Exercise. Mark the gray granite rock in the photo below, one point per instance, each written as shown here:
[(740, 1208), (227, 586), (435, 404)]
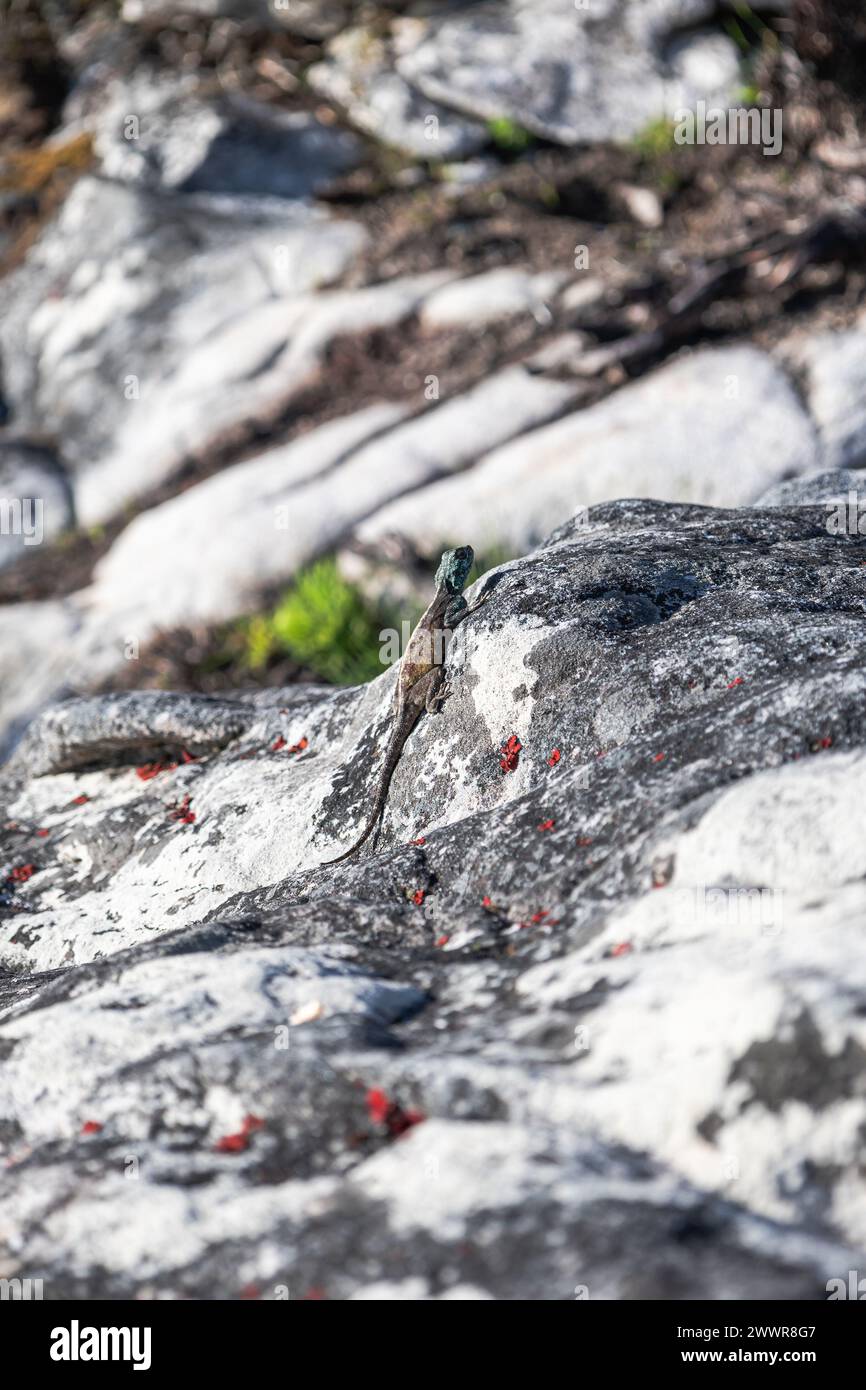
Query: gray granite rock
[(716, 426), (572, 73), (110, 302), (619, 987), (817, 489), (360, 75), (166, 136)]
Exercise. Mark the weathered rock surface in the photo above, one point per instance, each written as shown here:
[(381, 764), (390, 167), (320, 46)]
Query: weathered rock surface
[(836, 384), (572, 73), (624, 976), (361, 77), (715, 427), (111, 301), (167, 136), (824, 489)]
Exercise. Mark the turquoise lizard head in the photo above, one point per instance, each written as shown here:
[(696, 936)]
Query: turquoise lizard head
[(454, 568)]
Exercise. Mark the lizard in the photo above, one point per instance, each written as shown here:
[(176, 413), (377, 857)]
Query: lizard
[(421, 683)]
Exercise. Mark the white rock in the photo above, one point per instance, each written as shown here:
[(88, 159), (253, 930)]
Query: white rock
[(242, 371), (495, 294), (716, 427), (109, 305), (836, 392), (203, 556), (163, 134), (359, 75), (571, 74)]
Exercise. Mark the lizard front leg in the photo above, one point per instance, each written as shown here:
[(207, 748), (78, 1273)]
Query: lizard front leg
[(429, 690)]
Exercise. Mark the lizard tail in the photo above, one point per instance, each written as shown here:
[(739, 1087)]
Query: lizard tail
[(392, 757), (362, 839)]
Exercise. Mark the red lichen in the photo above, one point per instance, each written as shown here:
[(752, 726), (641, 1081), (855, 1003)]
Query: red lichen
[(510, 754), (182, 813), (22, 873), (236, 1143), (390, 1115)]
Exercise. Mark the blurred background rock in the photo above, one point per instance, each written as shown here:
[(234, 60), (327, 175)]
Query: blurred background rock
[(292, 295)]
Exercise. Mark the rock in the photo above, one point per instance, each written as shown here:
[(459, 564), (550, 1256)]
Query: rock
[(222, 543), (639, 442), (81, 733), (623, 977), (35, 502), (313, 18), (244, 374), (836, 392), (643, 205), (37, 642), (495, 294), (359, 75), (205, 555), (110, 303), (572, 74), (817, 489), (708, 64), (163, 135)]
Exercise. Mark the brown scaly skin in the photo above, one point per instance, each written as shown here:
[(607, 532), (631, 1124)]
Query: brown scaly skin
[(421, 682)]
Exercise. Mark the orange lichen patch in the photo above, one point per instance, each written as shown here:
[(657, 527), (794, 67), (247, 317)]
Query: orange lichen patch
[(30, 171), (42, 177)]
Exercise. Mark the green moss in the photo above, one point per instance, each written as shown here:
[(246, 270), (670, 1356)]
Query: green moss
[(507, 135), (655, 140), (750, 95)]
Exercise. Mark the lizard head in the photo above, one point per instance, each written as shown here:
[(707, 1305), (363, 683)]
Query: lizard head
[(454, 568)]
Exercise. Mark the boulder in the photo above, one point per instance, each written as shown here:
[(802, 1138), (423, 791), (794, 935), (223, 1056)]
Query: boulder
[(607, 948), (716, 426)]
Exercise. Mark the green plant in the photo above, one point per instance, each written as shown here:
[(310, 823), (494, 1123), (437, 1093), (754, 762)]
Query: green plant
[(749, 95), (323, 623), (507, 135), (655, 140)]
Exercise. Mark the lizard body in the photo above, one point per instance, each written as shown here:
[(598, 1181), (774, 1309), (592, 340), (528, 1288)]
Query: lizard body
[(421, 680)]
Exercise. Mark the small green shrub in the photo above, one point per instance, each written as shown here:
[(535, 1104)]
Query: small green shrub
[(324, 624), (655, 140), (507, 135)]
